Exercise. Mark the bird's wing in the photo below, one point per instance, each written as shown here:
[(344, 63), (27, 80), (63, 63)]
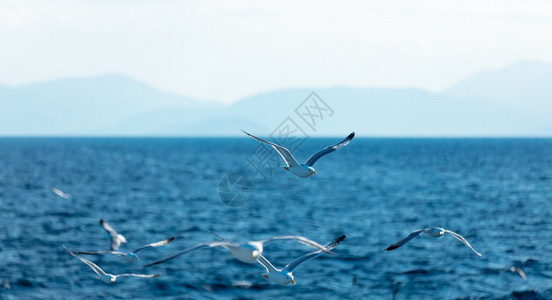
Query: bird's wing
[(284, 153), (100, 252), (220, 237), (462, 239), (59, 192), (177, 254), (92, 265), (116, 238), (329, 149), (156, 244), (108, 228), (521, 273), (300, 239), (116, 241), (139, 275), (266, 264), (406, 239), (315, 253)]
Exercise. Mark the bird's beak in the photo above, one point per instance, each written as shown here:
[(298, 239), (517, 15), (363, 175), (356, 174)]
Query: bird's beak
[(293, 281), (265, 276), (313, 172)]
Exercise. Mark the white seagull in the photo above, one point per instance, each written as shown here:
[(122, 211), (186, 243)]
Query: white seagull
[(106, 277), (303, 170), (434, 232), (516, 270), (59, 193), (247, 252), (285, 276), (116, 238), (130, 256)]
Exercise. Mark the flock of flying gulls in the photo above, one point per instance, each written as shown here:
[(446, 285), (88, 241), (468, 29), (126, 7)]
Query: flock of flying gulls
[(251, 251)]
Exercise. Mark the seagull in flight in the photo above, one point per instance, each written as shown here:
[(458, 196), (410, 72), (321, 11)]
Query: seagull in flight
[(303, 170), (116, 238), (130, 256), (285, 276), (106, 277), (434, 232), (59, 193), (516, 270), (247, 252)]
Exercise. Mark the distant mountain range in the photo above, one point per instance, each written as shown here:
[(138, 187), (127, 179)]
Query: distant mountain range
[(512, 101)]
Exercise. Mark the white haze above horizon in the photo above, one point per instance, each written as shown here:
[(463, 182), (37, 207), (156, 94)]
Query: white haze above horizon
[(224, 51)]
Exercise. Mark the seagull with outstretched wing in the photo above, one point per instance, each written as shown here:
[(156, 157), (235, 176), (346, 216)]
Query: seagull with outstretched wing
[(515, 270), (247, 252), (285, 276), (130, 256), (434, 232), (106, 277), (306, 169), (116, 238)]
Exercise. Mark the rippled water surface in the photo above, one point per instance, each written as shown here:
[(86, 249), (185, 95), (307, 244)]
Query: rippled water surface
[(495, 192)]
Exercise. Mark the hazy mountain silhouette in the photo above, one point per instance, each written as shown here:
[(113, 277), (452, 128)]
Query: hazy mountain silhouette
[(513, 101), (526, 85), (80, 106)]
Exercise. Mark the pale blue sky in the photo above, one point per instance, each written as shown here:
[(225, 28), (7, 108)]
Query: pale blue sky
[(224, 50)]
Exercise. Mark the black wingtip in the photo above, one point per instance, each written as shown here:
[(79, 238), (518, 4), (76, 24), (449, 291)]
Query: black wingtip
[(351, 136), (148, 265), (101, 221), (170, 239), (392, 247), (249, 134), (340, 239)]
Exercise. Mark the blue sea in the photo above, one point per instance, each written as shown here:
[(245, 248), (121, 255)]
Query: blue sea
[(497, 193)]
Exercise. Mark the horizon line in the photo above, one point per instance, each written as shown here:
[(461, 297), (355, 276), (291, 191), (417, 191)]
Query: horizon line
[(245, 137)]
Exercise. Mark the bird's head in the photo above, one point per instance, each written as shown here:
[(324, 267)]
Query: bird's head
[(312, 170), (111, 278), (132, 257), (289, 277)]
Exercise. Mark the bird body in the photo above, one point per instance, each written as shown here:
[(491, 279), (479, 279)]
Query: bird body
[(302, 171), (246, 252), (435, 232)]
